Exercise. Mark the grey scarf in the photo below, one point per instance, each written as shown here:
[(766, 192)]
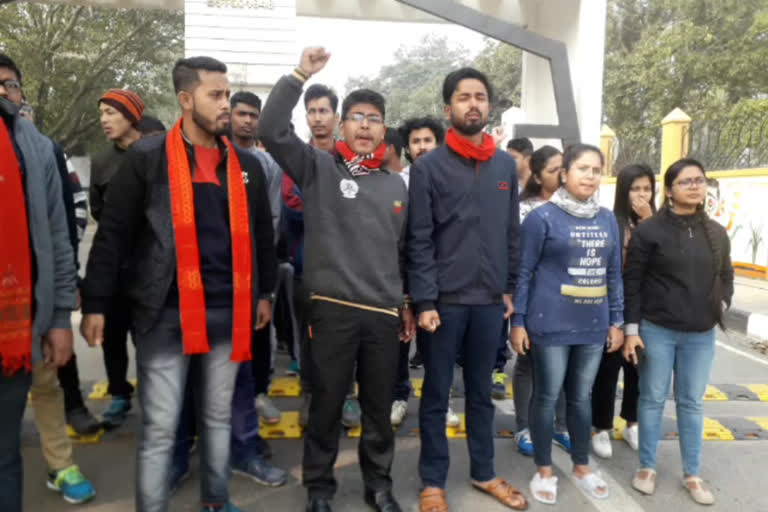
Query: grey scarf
[(583, 209)]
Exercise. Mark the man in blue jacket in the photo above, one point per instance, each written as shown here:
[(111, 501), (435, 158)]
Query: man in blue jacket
[(462, 241)]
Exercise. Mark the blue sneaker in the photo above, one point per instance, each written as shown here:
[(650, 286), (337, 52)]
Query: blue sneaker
[(293, 369), (179, 474), (563, 440), (260, 471), (72, 485), (229, 507), (115, 414), (524, 443)]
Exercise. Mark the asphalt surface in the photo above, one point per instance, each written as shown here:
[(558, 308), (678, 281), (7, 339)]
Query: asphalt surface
[(736, 470)]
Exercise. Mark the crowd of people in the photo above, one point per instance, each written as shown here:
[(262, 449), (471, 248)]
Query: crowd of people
[(228, 231)]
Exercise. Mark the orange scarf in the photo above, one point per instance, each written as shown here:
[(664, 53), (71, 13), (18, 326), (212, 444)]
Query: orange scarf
[(15, 264), (192, 310)]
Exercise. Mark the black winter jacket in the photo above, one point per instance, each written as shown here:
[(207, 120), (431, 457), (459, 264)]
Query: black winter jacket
[(136, 226), (669, 274)]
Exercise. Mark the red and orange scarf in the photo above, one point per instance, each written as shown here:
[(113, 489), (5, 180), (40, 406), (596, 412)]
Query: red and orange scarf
[(15, 264), (360, 165), (468, 149), (192, 310)]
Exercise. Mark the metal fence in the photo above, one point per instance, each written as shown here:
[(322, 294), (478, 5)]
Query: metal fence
[(732, 144)]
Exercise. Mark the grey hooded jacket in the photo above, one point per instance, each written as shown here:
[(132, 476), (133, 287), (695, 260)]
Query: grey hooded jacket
[(55, 274)]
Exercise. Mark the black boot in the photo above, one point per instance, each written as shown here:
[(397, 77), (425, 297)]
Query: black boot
[(319, 505), (382, 501)]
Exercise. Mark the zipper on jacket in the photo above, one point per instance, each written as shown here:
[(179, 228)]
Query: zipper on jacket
[(690, 231)]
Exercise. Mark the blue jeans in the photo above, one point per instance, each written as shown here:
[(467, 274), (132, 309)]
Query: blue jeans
[(162, 371), (13, 400), (571, 368), (690, 356), (473, 332)]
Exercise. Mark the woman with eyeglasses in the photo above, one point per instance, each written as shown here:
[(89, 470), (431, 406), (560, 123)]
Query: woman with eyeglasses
[(678, 281), (633, 204), (568, 307)]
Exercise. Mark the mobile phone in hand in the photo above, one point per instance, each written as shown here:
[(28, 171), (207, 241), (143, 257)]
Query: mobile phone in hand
[(639, 357)]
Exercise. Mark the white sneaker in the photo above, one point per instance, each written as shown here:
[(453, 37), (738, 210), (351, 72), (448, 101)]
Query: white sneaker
[(632, 437), (399, 410), (267, 410), (601, 444), (452, 419)]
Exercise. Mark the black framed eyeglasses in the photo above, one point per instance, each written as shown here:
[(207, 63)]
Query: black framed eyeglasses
[(11, 85), (359, 117)]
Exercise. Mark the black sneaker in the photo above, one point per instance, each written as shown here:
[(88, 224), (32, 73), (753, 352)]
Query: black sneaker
[(416, 361), (82, 421)]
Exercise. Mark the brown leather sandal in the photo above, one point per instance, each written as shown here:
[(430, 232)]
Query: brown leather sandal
[(432, 499), (504, 493)]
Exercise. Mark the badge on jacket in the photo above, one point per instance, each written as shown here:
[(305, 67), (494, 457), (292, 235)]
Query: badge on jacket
[(245, 177), (349, 188), (398, 207)]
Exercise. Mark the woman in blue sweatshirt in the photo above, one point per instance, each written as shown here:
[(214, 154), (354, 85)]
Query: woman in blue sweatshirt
[(568, 309)]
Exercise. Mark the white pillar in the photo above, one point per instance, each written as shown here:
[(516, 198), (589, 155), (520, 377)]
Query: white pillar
[(580, 24)]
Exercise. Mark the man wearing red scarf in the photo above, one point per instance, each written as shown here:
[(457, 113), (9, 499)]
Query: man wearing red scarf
[(190, 214), (462, 269), (38, 279), (354, 213)]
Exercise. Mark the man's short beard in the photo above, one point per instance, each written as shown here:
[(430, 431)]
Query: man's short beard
[(468, 128), (209, 126)]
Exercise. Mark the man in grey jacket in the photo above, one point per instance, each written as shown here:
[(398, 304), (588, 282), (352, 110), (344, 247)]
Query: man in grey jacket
[(37, 327), (355, 212)]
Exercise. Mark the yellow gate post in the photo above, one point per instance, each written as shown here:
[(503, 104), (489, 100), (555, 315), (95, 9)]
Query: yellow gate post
[(675, 135), (607, 144)]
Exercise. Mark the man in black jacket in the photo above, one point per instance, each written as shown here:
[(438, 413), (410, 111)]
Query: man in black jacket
[(463, 241), (190, 213), (355, 214)]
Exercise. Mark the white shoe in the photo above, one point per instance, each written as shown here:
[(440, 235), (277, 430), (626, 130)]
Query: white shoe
[(452, 419), (632, 437), (601, 444), (267, 410), (399, 410), (540, 487)]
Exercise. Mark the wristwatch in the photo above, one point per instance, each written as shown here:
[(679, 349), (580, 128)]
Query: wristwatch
[(271, 297)]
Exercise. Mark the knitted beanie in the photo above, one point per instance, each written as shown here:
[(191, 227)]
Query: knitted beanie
[(128, 103)]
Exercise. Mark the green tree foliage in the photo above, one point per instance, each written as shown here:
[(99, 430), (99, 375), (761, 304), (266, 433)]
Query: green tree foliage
[(413, 83), (70, 55), (704, 56)]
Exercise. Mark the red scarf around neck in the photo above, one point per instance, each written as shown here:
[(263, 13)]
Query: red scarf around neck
[(194, 329), (468, 149), (15, 264), (360, 165)]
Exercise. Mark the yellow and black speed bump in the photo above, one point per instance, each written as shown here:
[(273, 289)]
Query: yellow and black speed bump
[(727, 428), (727, 392)]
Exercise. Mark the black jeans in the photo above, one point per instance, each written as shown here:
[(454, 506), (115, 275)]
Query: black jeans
[(604, 391), (115, 347), (301, 305), (69, 380), (261, 360), (343, 336), (403, 383), (13, 400)]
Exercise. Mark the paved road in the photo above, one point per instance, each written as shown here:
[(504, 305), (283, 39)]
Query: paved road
[(736, 469)]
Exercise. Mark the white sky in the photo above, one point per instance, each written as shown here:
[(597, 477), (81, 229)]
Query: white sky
[(363, 47)]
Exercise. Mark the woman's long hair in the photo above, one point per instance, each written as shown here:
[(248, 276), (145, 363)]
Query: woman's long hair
[(622, 207), (539, 160), (710, 229)]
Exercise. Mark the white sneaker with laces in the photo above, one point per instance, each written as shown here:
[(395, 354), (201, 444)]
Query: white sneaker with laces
[(601, 444), (632, 437), (399, 410), (452, 419)]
